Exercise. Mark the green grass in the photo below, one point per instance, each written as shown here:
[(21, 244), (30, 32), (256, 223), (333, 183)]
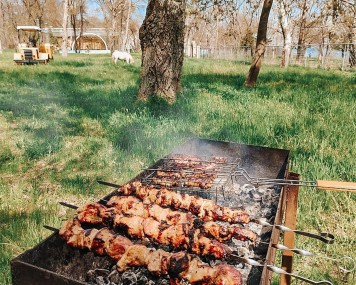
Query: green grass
[(69, 123)]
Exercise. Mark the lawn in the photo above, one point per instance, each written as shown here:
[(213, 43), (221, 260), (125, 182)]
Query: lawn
[(66, 124)]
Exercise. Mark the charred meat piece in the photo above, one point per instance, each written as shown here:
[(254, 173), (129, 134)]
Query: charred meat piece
[(129, 205), (205, 209), (178, 265), (177, 235), (153, 220)]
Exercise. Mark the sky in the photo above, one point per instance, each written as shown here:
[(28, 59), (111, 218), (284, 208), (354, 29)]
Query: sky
[(94, 10)]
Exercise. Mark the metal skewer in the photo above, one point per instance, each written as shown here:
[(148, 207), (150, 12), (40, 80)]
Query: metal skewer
[(310, 254), (51, 228), (278, 270), (278, 246), (255, 263), (319, 184), (69, 205), (108, 184), (323, 236)]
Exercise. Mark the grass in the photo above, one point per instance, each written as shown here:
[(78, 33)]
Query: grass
[(69, 123)]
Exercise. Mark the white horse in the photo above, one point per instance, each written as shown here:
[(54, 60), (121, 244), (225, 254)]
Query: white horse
[(122, 55)]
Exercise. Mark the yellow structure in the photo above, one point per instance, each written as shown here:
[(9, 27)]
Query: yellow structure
[(31, 49)]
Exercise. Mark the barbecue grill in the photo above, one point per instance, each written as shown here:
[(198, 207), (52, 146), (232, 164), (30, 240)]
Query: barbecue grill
[(54, 262)]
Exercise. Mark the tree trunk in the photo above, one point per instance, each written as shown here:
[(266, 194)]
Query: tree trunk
[(73, 21), (287, 47), (126, 35), (64, 26), (284, 22), (162, 44), (261, 43), (352, 50), (2, 25), (302, 31)]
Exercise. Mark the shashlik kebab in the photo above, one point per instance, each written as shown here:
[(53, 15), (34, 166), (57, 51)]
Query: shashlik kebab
[(178, 235), (168, 182), (204, 209), (180, 265), (195, 162), (184, 174), (184, 179), (129, 205)]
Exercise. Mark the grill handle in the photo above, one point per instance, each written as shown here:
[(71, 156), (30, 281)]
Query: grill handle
[(336, 185)]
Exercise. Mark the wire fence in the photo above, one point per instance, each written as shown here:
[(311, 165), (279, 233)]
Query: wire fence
[(331, 56)]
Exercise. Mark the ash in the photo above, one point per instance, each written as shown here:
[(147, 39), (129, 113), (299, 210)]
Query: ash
[(260, 203)]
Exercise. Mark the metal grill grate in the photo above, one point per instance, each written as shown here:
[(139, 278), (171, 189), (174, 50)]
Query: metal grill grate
[(206, 176)]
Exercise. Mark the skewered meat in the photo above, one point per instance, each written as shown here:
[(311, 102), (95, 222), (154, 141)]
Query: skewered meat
[(205, 209), (184, 178), (197, 183), (130, 205), (194, 162), (178, 265), (178, 235), (92, 214)]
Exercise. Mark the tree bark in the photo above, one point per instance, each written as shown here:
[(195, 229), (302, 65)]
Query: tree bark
[(162, 44), (261, 43)]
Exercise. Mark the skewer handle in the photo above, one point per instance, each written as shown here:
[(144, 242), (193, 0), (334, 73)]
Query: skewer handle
[(336, 185), (324, 237), (295, 250), (278, 270)]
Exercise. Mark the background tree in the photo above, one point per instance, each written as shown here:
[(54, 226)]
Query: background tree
[(285, 9), (345, 16), (117, 14), (35, 11), (77, 12), (64, 27), (162, 45), (261, 43), (111, 11)]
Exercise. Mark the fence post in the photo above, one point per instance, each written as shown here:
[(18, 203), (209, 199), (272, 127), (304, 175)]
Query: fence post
[(198, 51), (344, 51), (194, 49)]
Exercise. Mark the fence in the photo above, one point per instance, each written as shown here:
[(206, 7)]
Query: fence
[(333, 56)]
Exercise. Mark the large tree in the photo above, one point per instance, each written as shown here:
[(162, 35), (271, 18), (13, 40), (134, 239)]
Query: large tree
[(162, 44), (261, 43)]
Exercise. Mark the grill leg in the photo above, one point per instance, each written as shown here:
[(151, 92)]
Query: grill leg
[(290, 221)]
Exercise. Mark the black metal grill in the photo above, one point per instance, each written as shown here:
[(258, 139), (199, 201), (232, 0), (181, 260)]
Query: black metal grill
[(53, 262)]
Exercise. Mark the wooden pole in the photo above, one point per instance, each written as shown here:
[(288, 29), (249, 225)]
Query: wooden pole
[(290, 221)]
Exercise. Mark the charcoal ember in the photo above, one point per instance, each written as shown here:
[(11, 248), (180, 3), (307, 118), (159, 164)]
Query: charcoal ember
[(254, 276), (98, 276), (114, 276), (100, 280)]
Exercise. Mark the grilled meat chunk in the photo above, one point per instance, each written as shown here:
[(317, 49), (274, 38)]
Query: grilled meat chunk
[(177, 235), (178, 265), (154, 219), (205, 209)]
